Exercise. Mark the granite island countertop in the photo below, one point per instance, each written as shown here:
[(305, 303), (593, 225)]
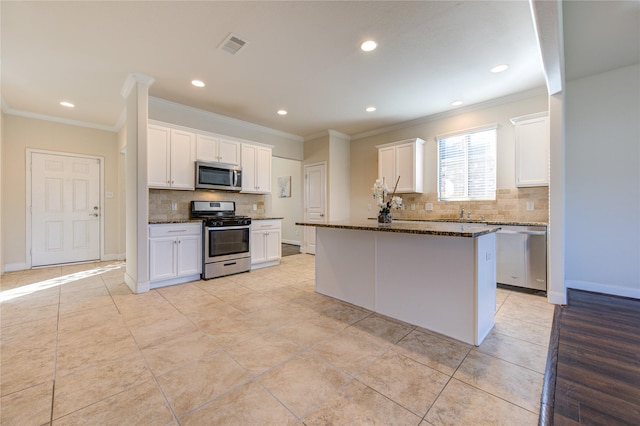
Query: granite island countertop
[(450, 229), (485, 222)]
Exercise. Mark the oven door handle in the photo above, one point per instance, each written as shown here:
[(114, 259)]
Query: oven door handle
[(224, 228)]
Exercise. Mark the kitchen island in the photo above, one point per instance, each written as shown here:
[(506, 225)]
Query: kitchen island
[(439, 276)]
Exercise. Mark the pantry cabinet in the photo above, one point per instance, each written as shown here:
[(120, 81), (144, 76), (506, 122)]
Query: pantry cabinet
[(404, 159), (215, 149), (256, 169), (532, 149), (266, 243), (175, 253), (170, 158)]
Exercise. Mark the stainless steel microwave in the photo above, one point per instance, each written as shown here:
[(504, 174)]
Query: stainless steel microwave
[(221, 176)]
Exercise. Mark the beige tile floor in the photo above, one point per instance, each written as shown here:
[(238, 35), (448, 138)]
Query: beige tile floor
[(78, 348)]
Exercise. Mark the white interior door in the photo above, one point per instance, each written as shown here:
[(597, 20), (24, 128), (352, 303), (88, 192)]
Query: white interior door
[(315, 202), (65, 209)]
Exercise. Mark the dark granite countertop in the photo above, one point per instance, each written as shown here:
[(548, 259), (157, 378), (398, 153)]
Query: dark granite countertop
[(168, 221), (485, 222), (443, 229)]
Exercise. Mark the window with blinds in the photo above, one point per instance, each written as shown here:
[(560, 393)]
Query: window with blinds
[(467, 165)]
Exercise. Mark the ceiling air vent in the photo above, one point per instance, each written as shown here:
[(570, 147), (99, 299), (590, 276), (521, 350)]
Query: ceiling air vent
[(232, 44)]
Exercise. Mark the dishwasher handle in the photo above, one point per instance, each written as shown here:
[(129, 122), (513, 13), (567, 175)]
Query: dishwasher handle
[(507, 231)]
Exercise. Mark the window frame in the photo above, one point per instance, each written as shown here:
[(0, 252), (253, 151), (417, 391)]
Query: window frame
[(467, 133)]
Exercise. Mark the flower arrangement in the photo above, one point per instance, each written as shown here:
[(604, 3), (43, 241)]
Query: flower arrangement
[(380, 193)]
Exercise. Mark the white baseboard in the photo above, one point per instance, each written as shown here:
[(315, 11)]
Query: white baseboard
[(557, 298), (604, 288), (114, 256), (12, 267), (295, 243), (136, 287)]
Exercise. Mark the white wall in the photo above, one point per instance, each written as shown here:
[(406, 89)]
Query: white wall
[(289, 208), (602, 220)]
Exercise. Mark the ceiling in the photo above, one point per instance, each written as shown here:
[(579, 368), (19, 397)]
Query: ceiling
[(302, 56)]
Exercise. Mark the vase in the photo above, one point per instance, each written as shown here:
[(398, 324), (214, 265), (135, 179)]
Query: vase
[(384, 218)]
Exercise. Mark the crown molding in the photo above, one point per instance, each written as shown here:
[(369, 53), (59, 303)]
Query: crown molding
[(328, 132), (226, 119), (453, 112), (132, 79), (26, 114)]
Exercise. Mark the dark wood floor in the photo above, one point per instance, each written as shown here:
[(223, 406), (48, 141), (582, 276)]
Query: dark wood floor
[(593, 372)]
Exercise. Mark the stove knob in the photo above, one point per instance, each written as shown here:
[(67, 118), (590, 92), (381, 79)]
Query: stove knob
[(247, 221), (219, 223)]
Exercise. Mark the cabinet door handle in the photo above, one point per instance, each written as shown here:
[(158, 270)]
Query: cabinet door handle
[(177, 230)]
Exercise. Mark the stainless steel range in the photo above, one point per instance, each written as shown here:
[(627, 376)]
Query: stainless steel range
[(226, 246)]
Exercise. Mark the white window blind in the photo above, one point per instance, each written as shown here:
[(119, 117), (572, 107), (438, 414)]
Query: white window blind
[(467, 165)]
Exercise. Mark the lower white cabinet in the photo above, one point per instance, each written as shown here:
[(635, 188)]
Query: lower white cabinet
[(266, 239), (175, 253)]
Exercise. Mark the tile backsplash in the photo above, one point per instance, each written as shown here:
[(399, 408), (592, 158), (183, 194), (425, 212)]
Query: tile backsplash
[(160, 201), (509, 205)]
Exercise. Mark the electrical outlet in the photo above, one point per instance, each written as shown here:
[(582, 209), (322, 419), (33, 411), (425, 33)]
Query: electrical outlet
[(255, 207), (530, 205), (174, 206), (413, 206), (369, 206), (428, 206)]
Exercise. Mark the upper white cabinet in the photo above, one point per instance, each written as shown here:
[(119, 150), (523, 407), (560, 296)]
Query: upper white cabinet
[(171, 157), (210, 148), (532, 149), (404, 159), (256, 169)]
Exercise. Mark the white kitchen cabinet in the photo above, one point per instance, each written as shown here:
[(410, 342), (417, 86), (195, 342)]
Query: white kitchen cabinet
[(266, 243), (170, 158), (215, 149), (256, 169), (175, 253), (532, 149), (404, 159)]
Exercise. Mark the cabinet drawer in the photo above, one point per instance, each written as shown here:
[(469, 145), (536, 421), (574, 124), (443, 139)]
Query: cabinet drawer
[(174, 229), (259, 225)]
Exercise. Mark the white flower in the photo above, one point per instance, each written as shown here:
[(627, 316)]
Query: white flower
[(380, 191)]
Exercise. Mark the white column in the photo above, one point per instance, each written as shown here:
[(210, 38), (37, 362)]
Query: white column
[(136, 92)]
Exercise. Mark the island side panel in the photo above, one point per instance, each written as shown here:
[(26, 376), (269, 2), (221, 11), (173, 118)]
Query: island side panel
[(428, 281), (486, 285), (345, 267)]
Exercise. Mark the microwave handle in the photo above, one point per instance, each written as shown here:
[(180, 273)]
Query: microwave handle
[(235, 178)]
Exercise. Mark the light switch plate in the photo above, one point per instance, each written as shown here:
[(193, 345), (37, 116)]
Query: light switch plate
[(428, 206), (174, 206), (108, 195)]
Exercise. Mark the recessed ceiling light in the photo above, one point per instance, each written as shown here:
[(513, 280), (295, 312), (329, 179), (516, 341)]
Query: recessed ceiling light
[(499, 68), (67, 104), (282, 112), (368, 45), (197, 83), (370, 109), (456, 103)]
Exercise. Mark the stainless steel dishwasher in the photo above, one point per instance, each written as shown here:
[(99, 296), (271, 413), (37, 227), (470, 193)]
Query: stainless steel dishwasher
[(522, 256)]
